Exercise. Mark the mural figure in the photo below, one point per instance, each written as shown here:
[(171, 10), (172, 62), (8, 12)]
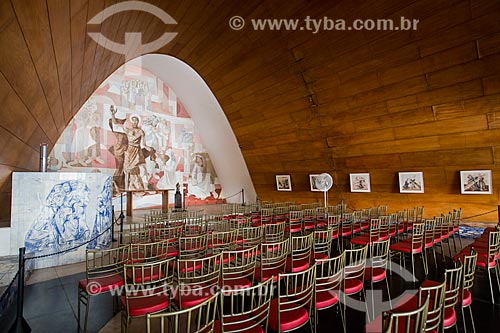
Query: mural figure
[(133, 156), (118, 149), (200, 184), (102, 219), (61, 223), (167, 165)]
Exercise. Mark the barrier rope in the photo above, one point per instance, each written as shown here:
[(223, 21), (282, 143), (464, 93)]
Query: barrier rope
[(469, 217), (70, 249), (234, 195), (6, 291)]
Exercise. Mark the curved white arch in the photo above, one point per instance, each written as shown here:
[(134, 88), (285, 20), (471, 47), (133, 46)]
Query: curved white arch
[(216, 133)]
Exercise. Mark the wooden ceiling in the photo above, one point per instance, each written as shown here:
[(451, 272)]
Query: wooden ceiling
[(299, 102)]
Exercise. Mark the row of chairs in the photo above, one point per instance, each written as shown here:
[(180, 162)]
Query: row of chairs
[(434, 307), (488, 248)]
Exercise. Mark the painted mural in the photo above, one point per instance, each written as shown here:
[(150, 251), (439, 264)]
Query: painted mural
[(136, 129)]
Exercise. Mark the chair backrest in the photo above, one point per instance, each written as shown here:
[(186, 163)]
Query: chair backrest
[(493, 244), (193, 246), (246, 309), (195, 226), (333, 222), (330, 273), (251, 236), (469, 269), (374, 229), (309, 214), (198, 277), (280, 214), (436, 292), (413, 321), (223, 240), (429, 230), (355, 262), (171, 234), (239, 265), (266, 215), (295, 216), (380, 254), (323, 241), (296, 290), (240, 222), (144, 252), (135, 236), (146, 280), (417, 235), (274, 232), (101, 263), (273, 255), (453, 278), (196, 319)]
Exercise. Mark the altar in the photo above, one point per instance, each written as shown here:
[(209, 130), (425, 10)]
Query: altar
[(130, 195)]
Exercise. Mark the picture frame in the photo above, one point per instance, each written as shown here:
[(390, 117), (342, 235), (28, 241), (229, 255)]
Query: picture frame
[(312, 182), (475, 182), (411, 182), (360, 182), (283, 183)]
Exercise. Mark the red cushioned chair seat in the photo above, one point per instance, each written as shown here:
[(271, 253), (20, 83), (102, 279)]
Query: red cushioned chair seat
[(267, 273), (230, 325), (450, 317), (363, 240), (482, 261), (309, 225), (289, 320), (292, 229), (318, 256), (365, 225), (378, 274), (406, 247), (142, 306), (346, 231), (168, 252), (320, 224), (326, 298), (352, 286), (467, 298), (101, 285), (295, 266), (238, 283), (190, 298), (429, 242)]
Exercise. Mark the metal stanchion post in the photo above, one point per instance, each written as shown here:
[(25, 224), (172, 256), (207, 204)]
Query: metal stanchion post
[(20, 325), (122, 218), (113, 239), (243, 196)]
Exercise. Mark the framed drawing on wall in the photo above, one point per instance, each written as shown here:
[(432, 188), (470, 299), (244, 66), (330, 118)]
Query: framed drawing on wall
[(475, 182), (411, 182), (360, 182), (283, 183), (313, 182)]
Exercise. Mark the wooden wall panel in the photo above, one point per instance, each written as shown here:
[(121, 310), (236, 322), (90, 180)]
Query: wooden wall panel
[(34, 22)]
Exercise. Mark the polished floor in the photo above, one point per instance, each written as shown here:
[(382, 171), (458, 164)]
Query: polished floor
[(51, 303)]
